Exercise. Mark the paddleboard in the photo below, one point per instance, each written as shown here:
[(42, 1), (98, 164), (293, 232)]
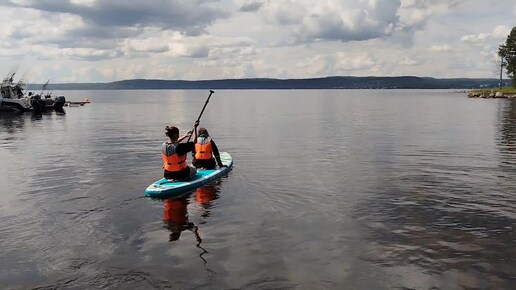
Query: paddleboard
[(167, 189)]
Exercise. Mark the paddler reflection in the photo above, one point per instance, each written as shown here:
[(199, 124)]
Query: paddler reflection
[(176, 212), (176, 219), (176, 216), (204, 197)]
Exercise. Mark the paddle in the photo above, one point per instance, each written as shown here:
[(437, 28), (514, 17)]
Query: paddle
[(199, 118)]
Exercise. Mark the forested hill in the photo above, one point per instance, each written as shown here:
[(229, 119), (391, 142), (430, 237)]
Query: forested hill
[(345, 82)]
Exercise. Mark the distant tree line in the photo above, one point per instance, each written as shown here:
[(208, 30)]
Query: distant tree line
[(508, 53)]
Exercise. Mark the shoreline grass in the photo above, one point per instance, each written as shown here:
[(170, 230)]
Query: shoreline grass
[(504, 90)]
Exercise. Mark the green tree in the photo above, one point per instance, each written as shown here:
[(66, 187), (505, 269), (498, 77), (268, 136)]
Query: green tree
[(508, 52)]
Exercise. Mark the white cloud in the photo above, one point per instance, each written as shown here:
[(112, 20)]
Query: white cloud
[(416, 12), (32, 26), (409, 61), (474, 38), (89, 53), (336, 64), (87, 3), (441, 47), (501, 31), (190, 50), (151, 45)]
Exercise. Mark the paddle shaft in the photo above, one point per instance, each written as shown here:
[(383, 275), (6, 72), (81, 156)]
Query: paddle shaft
[(202, 111)]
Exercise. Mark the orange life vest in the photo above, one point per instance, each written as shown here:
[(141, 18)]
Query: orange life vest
[(172, 162), (203, 148), (204, 195), (175, 211)]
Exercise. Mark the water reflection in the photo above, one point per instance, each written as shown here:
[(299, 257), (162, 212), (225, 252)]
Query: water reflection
[(204, 197), (414, 200), (38, 115), (447, 223), (424, 227), (12, 122), (176, 211), (176, 219), (507, 126)]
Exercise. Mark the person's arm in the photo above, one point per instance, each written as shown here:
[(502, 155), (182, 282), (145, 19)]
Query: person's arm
[(195, 130), (216, 153), (195, 137), (183, 148), (185, 136)]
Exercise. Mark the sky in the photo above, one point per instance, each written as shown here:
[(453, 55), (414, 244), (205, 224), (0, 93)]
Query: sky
[(108, 40)]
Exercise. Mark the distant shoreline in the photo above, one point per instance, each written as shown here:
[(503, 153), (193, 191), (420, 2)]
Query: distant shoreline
[(338, 82)]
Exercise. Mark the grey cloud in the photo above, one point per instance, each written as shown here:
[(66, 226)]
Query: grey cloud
[(17, 34), (102, 33), (188, 17), (200, 52), (101, 44), (251, 7), (94, 56), (349, 20), (425, 4), (354, 20)]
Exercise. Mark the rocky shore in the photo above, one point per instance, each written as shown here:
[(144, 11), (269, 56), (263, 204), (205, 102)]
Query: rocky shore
[(491, 94)]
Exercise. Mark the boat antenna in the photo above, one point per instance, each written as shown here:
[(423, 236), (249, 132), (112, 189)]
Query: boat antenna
[(44, 87), (22, 80)]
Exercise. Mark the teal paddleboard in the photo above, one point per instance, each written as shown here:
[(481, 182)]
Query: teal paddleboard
[(166, 189)]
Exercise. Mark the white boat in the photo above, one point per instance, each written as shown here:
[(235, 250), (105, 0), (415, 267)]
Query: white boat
[(12, 97)]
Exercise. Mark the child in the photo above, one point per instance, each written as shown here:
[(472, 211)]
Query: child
[(205, 151)]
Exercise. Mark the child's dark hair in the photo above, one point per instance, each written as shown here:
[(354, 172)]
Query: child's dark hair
[(203, 131), (171, 131)]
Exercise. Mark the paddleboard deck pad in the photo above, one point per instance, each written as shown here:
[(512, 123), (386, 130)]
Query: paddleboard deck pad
[(167, 189)]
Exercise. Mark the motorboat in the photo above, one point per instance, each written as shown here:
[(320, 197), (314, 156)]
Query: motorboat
[(46, 102), (12, 96)]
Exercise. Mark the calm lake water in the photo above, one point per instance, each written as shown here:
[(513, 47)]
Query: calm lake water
[(331, 189)]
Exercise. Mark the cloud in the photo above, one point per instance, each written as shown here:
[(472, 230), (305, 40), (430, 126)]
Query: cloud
[(441, 48), (34, 26), (409, 61), (89, 54), (474, 38), (97, 30), (337, 64), (415, 13), (353, 20), (115, 16), (251, 6), (500, 32), (175, 15), (150, 45), (343, 20), (190, 50), (115, 39)]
